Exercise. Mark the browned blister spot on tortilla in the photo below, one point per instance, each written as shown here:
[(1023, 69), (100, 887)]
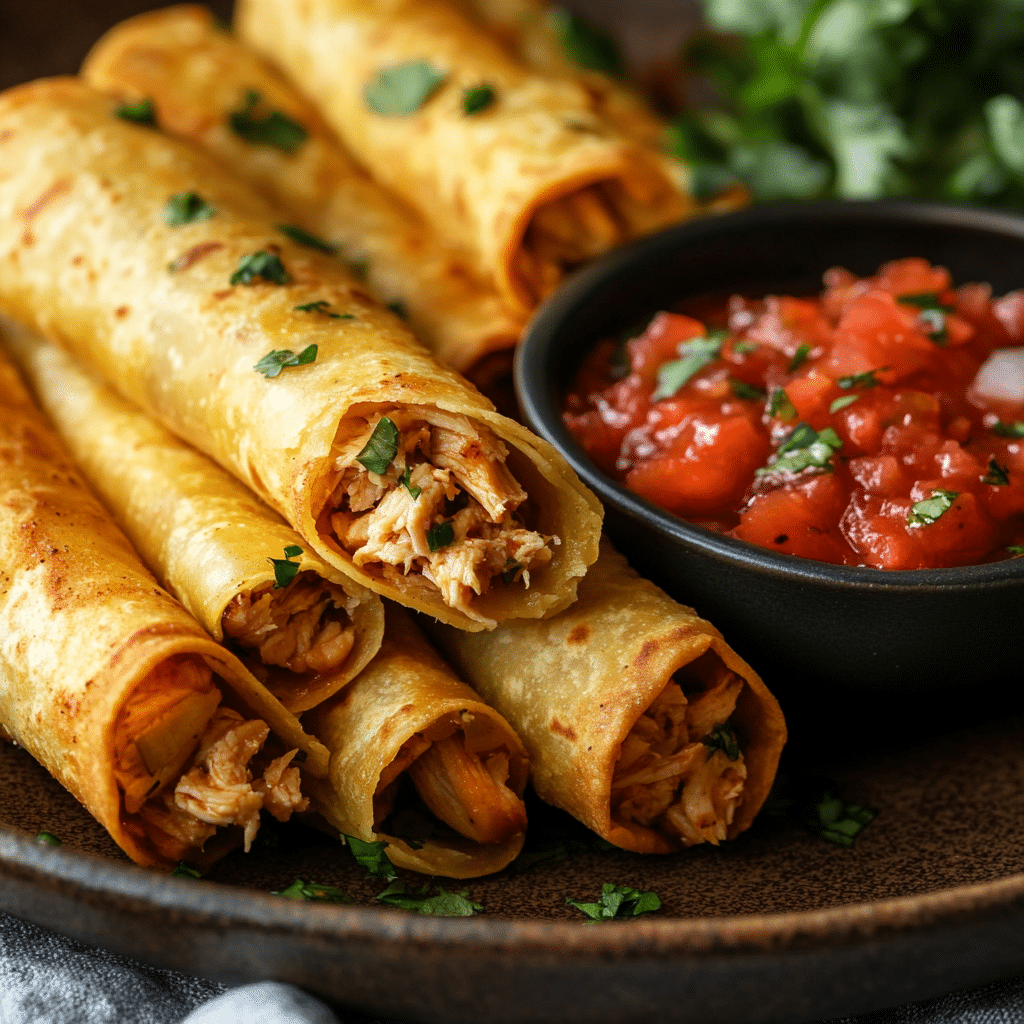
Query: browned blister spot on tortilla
[(649, 647), (194, 255), (563, 730), (579, 635), (121, 312), (60, 187)]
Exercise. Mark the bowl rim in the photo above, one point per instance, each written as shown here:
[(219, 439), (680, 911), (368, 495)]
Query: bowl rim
[(540, 404)]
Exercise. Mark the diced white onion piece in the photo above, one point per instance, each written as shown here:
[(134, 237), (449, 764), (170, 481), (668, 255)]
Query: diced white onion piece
[(1001, 377)]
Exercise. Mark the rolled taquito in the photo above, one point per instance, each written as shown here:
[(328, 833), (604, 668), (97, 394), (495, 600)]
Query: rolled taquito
[(109, 683), (154, 265), (515, 167), (209, 88), (638, 718), (302, 628), (419, 761)]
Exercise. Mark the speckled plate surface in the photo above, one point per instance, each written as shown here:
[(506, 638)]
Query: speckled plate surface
[(778, 926)]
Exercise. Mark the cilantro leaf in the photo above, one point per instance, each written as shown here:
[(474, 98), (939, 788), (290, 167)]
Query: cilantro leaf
[(803, 449), (440, 535), (274, 362), (477, 98), (741, 389), (1015, 549), (48, 839), (285, 570), (381, 448), (261, 264), (184, 870), (924, 301), (696, 354), (744, 348), (781, 406), (187, 208), (403, 88), (304, 237), (861, 380), (143, 112), (840, 822), (799, 357), (322, 306), (273, 129), (926, 512), (371, 856), (618, 902), (315, 892), (934, 321), (587, 45), (406, 481), (441, 903), (842, 402), (997, 476), (724, 739), (1015, 429)]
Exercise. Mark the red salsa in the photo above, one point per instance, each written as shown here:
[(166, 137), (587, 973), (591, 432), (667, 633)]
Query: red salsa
[(881, 424)]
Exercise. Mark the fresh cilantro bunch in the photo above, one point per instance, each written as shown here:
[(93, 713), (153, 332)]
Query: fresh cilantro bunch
[(860, 99)]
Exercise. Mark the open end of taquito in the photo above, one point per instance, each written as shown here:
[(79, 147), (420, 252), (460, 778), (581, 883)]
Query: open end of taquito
[(639, 719), (419, 761), (198, 78)]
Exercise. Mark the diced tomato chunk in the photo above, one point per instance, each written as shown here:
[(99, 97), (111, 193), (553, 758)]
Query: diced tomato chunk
[(660, 343), (912, 276)]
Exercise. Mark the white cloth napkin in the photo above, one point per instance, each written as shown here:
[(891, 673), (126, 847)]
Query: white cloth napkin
[(48, 979)]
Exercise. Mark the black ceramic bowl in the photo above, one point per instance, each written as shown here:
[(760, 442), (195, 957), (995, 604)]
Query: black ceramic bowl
[(795, 620)]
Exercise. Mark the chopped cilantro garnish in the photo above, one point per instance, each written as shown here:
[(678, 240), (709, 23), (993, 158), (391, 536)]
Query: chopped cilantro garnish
[(406, 481), (741, 389), (274, 362), (510, 572), (48, 839), (440, 536), (924, 301), (477, 98), (304, 237), (143, 112), (184, 870), (861, 380), (403, 88), (397, 306), (585, 44), (382, 447), (997, 476), (316, 892), (441, 903), (371, 856), (805, 448), (187, 208), (618, 902), (799, 357), (842, 402), (840, 822), (696, 354), (322, 306), (1015, 549), (724, 739), (273, 129), (285, 570), (744, 348), (934, 321), (261, 264), (781, 406), (1015, 429), (924, 513)]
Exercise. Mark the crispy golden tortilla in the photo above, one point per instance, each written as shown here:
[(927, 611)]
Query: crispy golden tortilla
[(94, 655), (91, 263), (197, 75), (206, 536), (406, 691), (531, 185), (575, 685)]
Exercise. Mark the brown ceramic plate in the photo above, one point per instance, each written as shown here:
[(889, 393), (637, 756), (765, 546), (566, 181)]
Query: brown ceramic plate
[(780, 925)]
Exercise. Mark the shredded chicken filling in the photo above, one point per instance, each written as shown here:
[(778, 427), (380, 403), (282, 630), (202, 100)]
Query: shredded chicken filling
[(681, 771), (462, 785), (445, 509), (305, 627), (182, 762)]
